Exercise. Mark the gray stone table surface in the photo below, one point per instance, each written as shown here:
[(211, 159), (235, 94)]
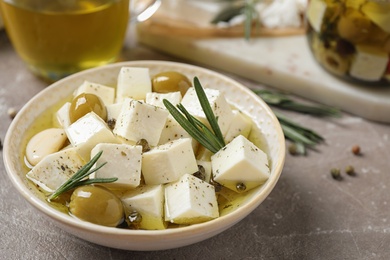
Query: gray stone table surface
[(308, 215)]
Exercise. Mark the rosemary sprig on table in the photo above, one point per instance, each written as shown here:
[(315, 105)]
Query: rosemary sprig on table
[(210, 139), (78, 178), (281, 100), (301, 136)]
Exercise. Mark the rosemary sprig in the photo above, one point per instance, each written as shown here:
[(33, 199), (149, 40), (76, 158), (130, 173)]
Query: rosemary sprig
[(211, 139), (301, 136), (283, 101), (78, 178), (235, 8)]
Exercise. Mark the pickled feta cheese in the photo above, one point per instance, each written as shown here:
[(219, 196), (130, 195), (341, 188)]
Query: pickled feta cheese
[(168, 162), (315, 13), (218, 103), (87, 132), (133, 83), (55, 169), (113, 112), (156, 99), (190, 200), (241, 125), (62, 118), (148, 201), (138, 120), (122, 161), (240, 163), (105, 93), (369, 63), (173, 131)]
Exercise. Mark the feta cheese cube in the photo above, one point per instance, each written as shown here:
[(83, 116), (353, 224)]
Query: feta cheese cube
[(156, 99), (369, 63), (87, 132), (122, 161), (173, 130), (241, 125), (168, 162), (106, 94), (189, 201), (113, 112), (218, 103), (147, 200), (240, 162), (138, 120), (315, 13), (55, 169), (62, 118), (134, 83)]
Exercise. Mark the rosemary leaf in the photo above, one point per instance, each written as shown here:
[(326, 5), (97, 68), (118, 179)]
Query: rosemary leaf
[(283, 101), (228, 13), (298, 133), (204, 102), (212, 139), (190, 128), (77, 179)]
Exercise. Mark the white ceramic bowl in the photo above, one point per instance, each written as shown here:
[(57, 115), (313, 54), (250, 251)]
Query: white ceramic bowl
[(236, 93)]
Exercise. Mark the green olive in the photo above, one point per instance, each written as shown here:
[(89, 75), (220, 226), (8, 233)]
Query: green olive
[(85, 103), (170, 81), (96, 204), (354, 26)]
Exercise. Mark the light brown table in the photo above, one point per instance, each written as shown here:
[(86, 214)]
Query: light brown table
[(309, 215)]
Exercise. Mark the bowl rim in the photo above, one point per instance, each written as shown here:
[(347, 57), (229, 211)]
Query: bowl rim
[(231, 218)]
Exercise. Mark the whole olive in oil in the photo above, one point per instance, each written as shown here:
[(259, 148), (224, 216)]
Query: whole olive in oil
[(170, 81), (84, 104), (97, 205)]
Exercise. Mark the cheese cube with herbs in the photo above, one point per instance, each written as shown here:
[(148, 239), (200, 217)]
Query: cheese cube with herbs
[(241, 125), (173, 130), (156, 99), (113, 112), (133, 83), (105, 93), (54, 169), (122, 161), (168, 162), (87, 132), (148, 201), (190, 200), (62, 116), (138, 120), (218, 103), (240, 165)]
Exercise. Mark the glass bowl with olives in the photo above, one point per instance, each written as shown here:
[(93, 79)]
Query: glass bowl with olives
[(135, 155)]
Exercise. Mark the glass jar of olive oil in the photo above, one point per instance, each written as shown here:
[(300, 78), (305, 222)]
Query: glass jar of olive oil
[(351, 38)]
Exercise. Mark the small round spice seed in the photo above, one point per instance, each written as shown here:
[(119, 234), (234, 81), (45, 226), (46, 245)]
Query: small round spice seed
[(292, 149), (336, 174), (350, 170), (356, 149)]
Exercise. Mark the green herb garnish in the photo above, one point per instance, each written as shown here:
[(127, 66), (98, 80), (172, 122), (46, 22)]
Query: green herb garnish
[(210, 139), (236, 8), (281, 100), (78, 178), (302, 137)]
